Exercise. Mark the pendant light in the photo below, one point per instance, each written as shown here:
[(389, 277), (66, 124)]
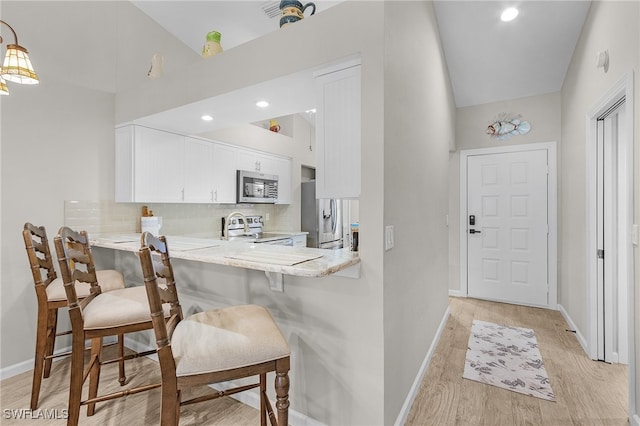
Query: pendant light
[(16, 67), (4, 90)]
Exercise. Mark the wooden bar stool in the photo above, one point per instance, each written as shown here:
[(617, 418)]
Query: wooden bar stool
[(213, 346), (99, 315), (51, 297)]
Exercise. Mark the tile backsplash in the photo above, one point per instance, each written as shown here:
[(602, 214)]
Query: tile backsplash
[(197, 220)]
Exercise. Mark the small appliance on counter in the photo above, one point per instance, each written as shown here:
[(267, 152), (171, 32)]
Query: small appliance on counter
[(151, 224), (255, 187), (321, 218), (255, 235)]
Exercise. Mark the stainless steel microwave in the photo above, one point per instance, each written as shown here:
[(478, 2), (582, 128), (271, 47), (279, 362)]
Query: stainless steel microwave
[(255, 187)]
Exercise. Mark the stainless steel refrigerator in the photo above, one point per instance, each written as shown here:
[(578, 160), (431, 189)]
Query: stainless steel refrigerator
[(322, 219)]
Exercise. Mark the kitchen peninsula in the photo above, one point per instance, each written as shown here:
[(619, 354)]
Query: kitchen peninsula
[(297, 261)]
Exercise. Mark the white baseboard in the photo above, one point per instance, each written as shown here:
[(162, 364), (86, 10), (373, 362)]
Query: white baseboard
[(15, 369), (579, 336), (21, 367), (413, 392), (456, 293), (251, 399)]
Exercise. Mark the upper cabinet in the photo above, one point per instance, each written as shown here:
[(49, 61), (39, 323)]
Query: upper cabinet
[(338, 132), (149, 165), (157, 166), (224, 173), (198, 171)]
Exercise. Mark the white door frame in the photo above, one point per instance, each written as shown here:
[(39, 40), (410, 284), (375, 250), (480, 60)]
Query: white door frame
[(624, 87), (552, 212)]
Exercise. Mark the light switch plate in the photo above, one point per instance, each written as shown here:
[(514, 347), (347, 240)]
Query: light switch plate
[(388, 237)]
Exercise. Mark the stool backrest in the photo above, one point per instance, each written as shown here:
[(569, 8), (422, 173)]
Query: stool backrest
[(40, 259), (76, 264), (152, 270)]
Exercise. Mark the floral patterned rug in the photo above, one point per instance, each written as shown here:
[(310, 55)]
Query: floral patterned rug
[(507, 357)]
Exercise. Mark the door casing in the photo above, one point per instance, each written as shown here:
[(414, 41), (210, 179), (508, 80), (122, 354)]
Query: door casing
[(552, 212)]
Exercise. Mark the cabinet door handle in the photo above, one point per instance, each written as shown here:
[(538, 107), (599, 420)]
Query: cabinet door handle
[(212, 196), (182, 194)]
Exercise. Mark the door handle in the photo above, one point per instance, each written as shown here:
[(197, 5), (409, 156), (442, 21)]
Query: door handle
[(473, 231)]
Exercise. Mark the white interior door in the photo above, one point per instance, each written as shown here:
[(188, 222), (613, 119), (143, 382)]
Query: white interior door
[(507, 227)]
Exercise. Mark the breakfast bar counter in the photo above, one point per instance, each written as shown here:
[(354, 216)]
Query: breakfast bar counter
[(277, 259)]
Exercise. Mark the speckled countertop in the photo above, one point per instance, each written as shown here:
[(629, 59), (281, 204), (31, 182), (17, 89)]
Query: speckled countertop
[(299, 261)]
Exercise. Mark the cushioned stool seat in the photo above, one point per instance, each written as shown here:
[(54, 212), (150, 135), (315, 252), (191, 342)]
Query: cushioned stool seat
[(109, 279), (228, 338), (117, 308)]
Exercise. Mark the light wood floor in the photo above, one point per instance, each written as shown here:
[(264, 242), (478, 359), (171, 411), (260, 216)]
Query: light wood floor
[(133, 410), (587, 392)]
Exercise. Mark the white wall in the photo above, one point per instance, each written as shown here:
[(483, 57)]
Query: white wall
[(614, 26), (542, 112), (68, 117), (611, 25), (419, 114)]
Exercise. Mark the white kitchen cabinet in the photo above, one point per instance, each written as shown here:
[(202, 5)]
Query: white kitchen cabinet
[(254, 161), (224, 173), (198, 171), (149, 166), (157, 166), (338, 133), (283, 168)]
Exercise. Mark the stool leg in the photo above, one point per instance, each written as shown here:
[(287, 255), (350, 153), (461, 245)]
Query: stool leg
[(41, 350), (282, 391), (121, 375), (94, 374), (178, 399), (75, 386), (52, 327), (169, 404), (263, 405)]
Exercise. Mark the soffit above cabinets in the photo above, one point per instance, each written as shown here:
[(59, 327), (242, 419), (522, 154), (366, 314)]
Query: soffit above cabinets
[(237, 21), (290, 94), (488, 60)]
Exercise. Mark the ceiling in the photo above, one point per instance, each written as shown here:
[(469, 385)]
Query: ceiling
[(488, 60)]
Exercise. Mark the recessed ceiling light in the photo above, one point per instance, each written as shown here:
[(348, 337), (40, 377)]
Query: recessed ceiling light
[(262, 104), (207, 117), (311, 111), (509, 14)]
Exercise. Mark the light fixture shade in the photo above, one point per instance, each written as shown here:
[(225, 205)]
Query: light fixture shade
[(4, 90), (17, 66)]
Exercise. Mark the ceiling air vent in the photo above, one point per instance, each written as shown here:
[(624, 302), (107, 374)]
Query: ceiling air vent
[(271, 8)]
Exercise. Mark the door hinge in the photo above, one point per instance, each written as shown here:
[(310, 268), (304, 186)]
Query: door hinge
[(600, 254)]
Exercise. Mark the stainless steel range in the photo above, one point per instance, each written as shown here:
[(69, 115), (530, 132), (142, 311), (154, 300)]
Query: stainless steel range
[(255, 234)]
